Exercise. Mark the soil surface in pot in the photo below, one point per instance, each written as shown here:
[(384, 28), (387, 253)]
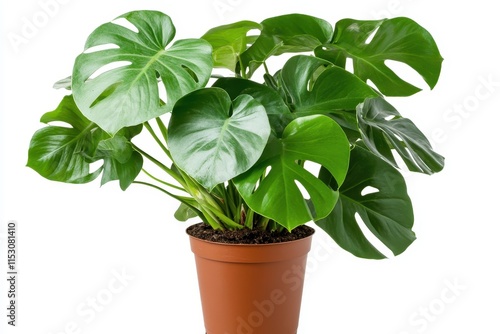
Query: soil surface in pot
[(247, 236)]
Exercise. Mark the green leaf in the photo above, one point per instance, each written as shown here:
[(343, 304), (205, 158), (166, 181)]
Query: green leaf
[(65, 153), (347, 120), (229, 42), (387, 212), (278, 113), (117, 147), (185, 212), (286, 33), (63, 83), (59, 153), (332, 91), (129, 94), (213, 139), (121, 161), (398, 39), (383, 128), (275, 194), (124, 172)]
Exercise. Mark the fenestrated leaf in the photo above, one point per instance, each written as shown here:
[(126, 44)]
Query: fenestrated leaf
[(59, 153), (332, 91), (229, 42), (276, 194), (286, 33), (129, 94), (386, 211), (65, 153), (276, 109), (398, 39), (213, 139), (383, 128)]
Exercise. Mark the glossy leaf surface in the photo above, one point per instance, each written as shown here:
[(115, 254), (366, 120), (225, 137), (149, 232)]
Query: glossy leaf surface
[(333, 90), (286, 33), (277, 111), (127, 92), (383, 128), (229, 42), (399, 39), (214, 139), (64, 153), (275, 194), (386, 210)]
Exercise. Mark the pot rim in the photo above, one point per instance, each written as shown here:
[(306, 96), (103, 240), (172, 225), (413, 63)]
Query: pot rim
[(249, 245)]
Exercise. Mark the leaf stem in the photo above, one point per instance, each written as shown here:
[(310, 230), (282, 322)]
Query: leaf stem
[(163, 129), (242, 69), (249, 218), (158, 141), (264, 224), (162, 166), (183, 199), (266, 69), (207, 201), (163, 182)]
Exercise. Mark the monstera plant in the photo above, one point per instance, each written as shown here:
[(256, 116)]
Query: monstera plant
[(245, 145)]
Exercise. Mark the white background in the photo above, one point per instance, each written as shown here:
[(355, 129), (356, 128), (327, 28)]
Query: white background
[(74, 239)]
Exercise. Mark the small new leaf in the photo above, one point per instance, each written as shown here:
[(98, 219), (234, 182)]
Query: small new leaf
[(229, 42)]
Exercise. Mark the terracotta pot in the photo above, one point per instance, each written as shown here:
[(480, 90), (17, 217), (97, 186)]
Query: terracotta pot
[(251, 289)]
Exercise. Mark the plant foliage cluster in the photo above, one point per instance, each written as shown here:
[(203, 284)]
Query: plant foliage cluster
[(237, 151)]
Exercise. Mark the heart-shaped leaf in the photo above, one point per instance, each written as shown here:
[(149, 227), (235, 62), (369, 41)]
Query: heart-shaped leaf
[(383, 128), (399, 39), (286, 33), (229, 42), (214, 139), (332, 91), (127, 92), (385, 209), (278, 113), (275, 194), (65, 153)]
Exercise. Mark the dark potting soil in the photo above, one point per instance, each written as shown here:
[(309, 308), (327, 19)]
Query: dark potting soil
[(247, 236)]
